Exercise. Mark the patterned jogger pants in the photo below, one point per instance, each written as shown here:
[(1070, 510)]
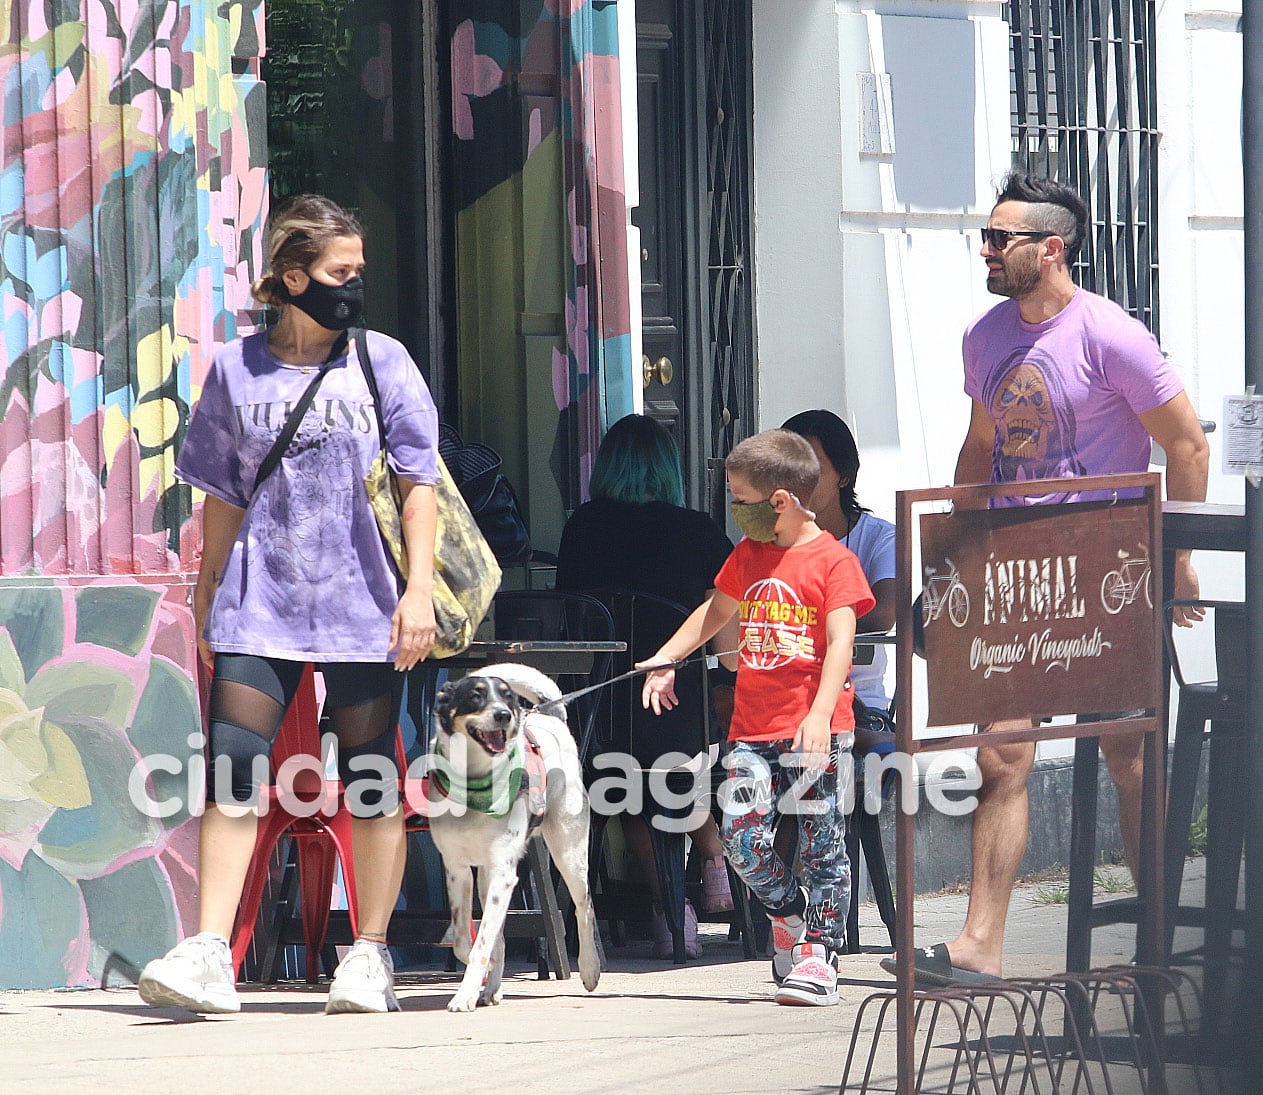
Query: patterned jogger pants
[(760, 790)]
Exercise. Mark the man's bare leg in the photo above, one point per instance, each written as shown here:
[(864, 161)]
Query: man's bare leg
[(999, 842), (1125, 759)]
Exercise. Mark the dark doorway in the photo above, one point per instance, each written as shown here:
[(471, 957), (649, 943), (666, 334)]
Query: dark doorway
[(693, 81), (349, 92)]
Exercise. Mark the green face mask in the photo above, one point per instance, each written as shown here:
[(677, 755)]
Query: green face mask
[(756, 520)]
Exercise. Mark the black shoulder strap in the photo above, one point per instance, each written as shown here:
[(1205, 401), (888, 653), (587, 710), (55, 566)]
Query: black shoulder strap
[(273, 458), (361, 352)]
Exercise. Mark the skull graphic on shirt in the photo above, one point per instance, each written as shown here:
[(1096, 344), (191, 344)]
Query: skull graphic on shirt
[(1023, 412)]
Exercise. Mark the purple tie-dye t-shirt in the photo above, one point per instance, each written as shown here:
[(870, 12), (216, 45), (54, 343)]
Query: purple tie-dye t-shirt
[(308, 577), (1065, 394)]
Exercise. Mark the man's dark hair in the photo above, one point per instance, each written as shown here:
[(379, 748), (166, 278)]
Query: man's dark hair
[(1054, 207)]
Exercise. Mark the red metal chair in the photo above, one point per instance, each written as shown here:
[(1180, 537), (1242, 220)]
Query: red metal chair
[(324, 838)]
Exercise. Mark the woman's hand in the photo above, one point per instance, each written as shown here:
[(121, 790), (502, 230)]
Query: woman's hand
[(202, 598), (412, 628), (658, 693), (221, 522)]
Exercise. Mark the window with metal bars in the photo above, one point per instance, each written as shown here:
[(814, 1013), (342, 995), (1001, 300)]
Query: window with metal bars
[(1083, 102), (728, 75)]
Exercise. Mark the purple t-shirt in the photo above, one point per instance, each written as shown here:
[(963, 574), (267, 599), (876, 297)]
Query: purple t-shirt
[(308, 577), (1064, 394)]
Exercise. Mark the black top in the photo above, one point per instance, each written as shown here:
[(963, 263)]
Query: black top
[(649, 547), (646, 548)]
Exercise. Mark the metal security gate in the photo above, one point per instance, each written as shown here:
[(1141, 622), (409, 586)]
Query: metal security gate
[(728, 125), (1083, 101)]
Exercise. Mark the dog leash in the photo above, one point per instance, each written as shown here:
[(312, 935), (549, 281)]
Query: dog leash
[(628, 676)]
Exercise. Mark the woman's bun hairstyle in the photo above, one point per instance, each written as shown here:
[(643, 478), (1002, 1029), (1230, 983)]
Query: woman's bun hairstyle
[(298, 233)]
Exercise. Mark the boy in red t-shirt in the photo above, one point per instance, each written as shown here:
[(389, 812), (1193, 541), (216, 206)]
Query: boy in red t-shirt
[(797, 592)]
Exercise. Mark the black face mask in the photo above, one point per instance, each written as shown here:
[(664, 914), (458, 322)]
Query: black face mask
[(334, 307)]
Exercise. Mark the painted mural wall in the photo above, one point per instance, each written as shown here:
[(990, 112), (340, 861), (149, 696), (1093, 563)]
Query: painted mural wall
[(133, 191), (541, 239)]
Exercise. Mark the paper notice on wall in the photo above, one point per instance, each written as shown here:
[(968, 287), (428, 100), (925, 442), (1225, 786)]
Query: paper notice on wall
[(1243, 435)]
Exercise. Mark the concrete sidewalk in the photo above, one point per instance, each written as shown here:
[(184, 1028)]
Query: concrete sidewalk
[(708, 1027)]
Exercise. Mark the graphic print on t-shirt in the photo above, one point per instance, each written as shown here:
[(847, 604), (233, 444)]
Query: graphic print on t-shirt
[(775, 625), (303, 517), (1034, 420)]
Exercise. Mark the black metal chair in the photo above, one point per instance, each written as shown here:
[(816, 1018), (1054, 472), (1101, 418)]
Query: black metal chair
[(863, 835), (577, 617), (644, 621), (1209, 712)]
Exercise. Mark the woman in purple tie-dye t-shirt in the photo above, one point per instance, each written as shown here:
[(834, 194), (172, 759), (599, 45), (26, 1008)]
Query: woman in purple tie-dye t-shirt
[(294, 571)]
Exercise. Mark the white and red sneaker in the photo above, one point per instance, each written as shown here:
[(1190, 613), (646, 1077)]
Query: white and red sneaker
[(813, 980), (787, 933)]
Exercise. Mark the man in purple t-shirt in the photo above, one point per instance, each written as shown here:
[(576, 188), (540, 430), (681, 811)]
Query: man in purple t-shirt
[(1064, 383)]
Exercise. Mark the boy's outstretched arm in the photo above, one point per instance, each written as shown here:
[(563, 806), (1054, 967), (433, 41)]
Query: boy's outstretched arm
[(703, 623), (813, 737)]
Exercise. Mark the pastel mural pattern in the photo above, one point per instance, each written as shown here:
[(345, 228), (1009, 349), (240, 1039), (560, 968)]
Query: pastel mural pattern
[(91, 681), (536, 82), (132, 193), (132, 196)]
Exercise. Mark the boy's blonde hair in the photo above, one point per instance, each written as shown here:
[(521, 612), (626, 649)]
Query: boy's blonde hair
[(776, 459)]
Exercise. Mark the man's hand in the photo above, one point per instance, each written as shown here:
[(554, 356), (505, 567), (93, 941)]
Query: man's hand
[(1175, 426), (1187, 588), (658, 694)]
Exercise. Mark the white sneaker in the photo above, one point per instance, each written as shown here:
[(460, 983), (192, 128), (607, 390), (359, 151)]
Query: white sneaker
[(813, 980), (195, 974), (787, 933), (363, 981)]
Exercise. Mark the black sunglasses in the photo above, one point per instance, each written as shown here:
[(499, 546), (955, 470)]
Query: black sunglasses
[(999, 237)]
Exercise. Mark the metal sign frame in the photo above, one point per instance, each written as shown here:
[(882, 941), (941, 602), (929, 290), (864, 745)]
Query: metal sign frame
[(1150, 929)]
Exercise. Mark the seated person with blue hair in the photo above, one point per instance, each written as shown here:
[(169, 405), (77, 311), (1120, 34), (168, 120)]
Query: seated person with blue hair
[(636, 535)]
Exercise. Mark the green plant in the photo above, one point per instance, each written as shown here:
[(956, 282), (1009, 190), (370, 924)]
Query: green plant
[(1197, 836), (1112, 883), (1052, 894)]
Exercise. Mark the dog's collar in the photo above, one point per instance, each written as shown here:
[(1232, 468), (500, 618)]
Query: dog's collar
[(492, 794), (528, 764)]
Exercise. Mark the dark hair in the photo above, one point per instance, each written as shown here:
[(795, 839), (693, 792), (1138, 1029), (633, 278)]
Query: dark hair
[(776, 460), (298, 233), (839, 446), (1054, 207), (638, 462)]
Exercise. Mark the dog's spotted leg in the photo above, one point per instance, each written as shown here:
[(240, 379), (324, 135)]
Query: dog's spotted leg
[(460, 899), (486, 958), (492, 990), (566, 834)]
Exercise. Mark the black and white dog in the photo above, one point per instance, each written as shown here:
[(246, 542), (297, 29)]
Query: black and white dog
[(483, 735)]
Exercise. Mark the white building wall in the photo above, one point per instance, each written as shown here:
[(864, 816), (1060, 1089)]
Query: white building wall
[(866, 265), (1201, 245), (866, 262), (1201, 241)]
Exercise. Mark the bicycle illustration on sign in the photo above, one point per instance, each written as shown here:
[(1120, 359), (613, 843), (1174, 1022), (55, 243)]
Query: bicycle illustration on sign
[(1120, 587), (945, 591)]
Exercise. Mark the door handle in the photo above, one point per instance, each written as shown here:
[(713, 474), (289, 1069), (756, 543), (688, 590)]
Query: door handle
[(661, 370)]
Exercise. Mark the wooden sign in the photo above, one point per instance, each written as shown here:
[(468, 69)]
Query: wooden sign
[(1039, 610)]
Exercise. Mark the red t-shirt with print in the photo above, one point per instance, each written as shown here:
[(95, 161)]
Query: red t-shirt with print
[(785, 596)]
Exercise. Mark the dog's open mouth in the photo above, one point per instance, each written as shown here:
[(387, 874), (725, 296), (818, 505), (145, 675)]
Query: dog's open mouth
[(493, 739)]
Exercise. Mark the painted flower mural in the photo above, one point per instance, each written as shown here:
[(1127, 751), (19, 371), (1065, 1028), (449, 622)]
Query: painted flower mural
[(91, 681)]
